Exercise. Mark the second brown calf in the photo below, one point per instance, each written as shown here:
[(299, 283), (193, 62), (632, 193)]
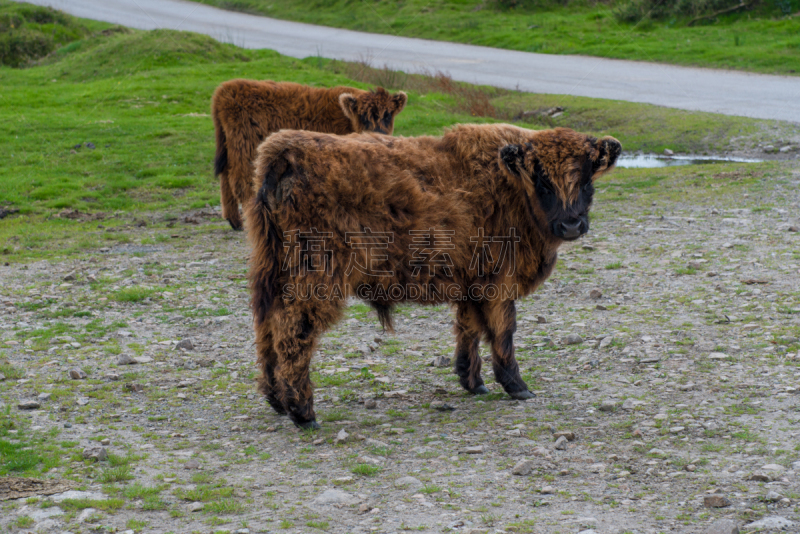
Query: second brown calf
[(245, 112)]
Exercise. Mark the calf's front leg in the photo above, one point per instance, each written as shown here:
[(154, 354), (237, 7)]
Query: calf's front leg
[(501, 323)]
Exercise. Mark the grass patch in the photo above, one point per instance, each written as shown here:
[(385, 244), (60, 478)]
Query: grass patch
[(115, 474), (106, 505), (365, 470), (133, 294)]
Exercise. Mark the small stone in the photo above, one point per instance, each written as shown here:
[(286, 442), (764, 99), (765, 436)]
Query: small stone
[(441, 406), (772, 522), (759, 477), (98, 454), (192, 464), (773, 467), (773, 496), (561, 444), (717, 356), (364, 508), (656, 452), (716, 501), (105, 442), (76, 373), (196, 506), (547, 490), (608, 406), (125, 359), (595, 294), (523, 467), (370, 404), (69, 277), (134, 387), (677, 429), (541, 319), (539, 451), (441, 361), (668, 152), (341, 437), (597, 468), (570, 436), (29, 405), (185, 344), (478, 449), (605, 342), (572, 339), (722, 526), (44, 396)]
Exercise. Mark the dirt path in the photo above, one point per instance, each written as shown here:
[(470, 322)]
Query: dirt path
[(684, 388)]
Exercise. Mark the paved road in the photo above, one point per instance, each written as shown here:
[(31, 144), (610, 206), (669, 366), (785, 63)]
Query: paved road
[(727, 92)]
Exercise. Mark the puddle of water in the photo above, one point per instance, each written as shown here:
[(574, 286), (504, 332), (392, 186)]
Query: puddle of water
[(650, 161)]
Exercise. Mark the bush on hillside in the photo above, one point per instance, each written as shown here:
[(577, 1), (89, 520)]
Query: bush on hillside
[(697, 10), (30, 32)]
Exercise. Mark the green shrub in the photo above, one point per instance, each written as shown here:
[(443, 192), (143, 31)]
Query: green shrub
[(28, 33)]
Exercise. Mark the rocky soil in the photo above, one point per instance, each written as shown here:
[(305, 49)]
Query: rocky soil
[(663, 351)]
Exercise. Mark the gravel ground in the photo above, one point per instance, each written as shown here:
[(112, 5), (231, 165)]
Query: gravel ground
[(664, 348)]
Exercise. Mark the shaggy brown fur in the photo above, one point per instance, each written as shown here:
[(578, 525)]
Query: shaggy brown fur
[(245, 112), (474, 218)]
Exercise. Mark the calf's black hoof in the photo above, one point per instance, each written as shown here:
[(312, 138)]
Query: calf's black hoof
[(236, 226), (308, 425), (480, 390), (523, 395)]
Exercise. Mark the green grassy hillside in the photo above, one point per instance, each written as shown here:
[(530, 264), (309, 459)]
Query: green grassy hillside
[(764, 38)]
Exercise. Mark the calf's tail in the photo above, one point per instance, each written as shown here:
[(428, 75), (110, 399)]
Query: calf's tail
[(221, 156), (266, 239)]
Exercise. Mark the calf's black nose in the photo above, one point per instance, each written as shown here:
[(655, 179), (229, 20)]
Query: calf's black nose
[(570, 229)]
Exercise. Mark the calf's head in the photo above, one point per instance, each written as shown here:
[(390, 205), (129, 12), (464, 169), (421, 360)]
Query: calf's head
[(557, 169), (373, 111)]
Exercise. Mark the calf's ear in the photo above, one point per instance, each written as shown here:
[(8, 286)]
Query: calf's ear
[(349, 104), (608, 150), (512, 157), (399, 100), (520, 163)]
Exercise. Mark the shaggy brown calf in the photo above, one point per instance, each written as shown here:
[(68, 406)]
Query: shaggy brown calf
[(474, 218), (245, 112)]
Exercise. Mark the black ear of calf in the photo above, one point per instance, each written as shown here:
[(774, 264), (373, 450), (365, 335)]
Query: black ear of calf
[(399, 100), (614, 148), (608, 150), (512, 156)]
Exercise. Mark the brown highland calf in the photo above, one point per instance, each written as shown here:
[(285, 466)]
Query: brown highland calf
[(245, 112), (474, 218)]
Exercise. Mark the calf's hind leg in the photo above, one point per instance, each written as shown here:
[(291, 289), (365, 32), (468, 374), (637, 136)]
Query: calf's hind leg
[(267, 360), (296, 331), (501, 323), (230, 205), (468, 328)]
